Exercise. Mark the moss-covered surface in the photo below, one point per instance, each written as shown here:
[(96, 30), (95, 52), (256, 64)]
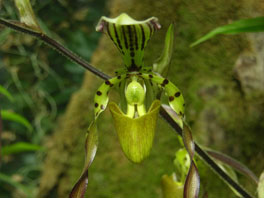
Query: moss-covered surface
[(216, 109)]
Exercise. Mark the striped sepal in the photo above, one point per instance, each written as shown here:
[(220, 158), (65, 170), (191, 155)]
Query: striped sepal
[(130, 37)]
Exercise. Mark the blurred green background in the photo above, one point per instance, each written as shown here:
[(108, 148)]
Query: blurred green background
[(40, 80), (224, 106)]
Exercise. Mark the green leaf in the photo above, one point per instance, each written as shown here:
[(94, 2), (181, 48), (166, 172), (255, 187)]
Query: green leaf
[(171, 188), (19, 147), (11, 116), (91, 145), (244, 25), (6, 93), (135, 134), (161, 66), (261, 186), (27, 15)]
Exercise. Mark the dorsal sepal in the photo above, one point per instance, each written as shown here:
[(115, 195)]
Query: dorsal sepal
[(130, 37)]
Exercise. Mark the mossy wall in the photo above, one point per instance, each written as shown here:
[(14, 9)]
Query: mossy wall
[(216, 107)]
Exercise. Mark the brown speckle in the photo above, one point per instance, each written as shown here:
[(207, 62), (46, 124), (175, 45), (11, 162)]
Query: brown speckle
[(171, 98), (177, 94)]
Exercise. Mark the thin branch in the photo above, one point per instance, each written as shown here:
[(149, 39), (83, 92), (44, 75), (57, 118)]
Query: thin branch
[(54, 44), (102, 75), (206, 158), (233, 163)]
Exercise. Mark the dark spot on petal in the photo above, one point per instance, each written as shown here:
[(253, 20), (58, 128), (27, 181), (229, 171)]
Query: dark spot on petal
[(118, 77), (165, 82), (171, 98), (109, 83), (96, 104), (177, 94), (150, 76), (99, 93)]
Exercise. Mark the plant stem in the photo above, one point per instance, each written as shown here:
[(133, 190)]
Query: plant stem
[(54, 44), (202, 154)]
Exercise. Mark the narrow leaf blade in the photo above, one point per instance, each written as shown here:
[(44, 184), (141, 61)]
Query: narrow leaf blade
[(11, 116), (6, 93), (244, 25), (19, 147)]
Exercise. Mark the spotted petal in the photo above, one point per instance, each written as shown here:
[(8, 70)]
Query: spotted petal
[(135, 134)]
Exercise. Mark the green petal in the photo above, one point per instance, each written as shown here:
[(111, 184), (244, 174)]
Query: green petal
[(171, 188), (136, 135), (192, 182), (91, 144)]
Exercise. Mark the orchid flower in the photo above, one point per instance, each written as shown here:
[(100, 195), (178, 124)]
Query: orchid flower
[(139, 88)]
